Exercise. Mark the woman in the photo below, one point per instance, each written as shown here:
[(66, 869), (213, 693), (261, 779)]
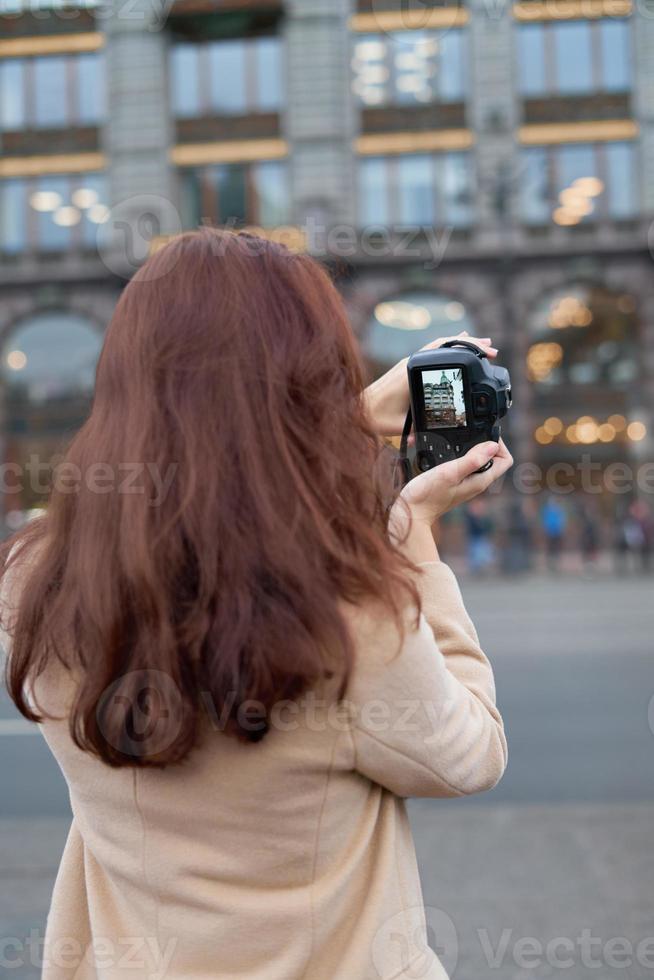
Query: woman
[(241, 660)]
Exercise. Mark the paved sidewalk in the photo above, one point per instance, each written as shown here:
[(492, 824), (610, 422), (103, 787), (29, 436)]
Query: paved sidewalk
[(521, 884), (500, 882)]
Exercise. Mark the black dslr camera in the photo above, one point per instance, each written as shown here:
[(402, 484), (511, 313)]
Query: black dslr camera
[(457, 400)]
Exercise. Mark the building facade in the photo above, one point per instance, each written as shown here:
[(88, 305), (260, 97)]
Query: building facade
[(487, 166)]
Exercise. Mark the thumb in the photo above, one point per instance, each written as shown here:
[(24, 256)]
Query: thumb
[(476, 457)]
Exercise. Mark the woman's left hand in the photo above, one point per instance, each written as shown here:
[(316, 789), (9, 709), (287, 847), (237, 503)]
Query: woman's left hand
[(387, 399)]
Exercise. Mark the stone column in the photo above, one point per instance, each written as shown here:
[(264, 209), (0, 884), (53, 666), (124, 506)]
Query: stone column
[(642, 22), (138, 134), (320, 119), (493, 113)]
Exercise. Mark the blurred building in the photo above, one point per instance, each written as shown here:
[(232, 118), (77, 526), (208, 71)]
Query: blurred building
[(487, 166)]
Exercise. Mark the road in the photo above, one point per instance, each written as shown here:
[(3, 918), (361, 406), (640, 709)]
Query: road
[(564, 843)]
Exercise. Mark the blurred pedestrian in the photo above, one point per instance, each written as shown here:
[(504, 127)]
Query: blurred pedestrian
[(641, 526), (553, 522), (516, 554), (479, 529), (589, 534)]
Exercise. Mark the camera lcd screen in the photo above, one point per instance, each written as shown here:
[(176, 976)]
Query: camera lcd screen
[(444, 399)]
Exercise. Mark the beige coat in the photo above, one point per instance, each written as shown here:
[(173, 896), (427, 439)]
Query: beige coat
[(287, 859)]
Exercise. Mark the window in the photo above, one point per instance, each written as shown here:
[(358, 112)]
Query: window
[(573, 60), (616, 54), (90, 89), (621, 180), (185, 94), (269, 77), (535, 196), (582, 336), (270, 185), (453, 67), (12, 94), (374, 202), (531, 59), (233, 77), (574, 163), (239, 193), (52, 92), (13, 209), (54, 226), (48, 366), (574, 57), (410, 68), (52, 213), (227, 73), (416, 190), (578, 183)]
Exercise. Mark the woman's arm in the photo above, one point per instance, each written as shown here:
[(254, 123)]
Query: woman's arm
[(425, 721), (436, 730)]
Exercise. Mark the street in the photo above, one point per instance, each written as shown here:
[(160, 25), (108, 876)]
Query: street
[(564, 844)]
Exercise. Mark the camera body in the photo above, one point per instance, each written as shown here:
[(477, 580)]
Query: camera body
[(457, 400)]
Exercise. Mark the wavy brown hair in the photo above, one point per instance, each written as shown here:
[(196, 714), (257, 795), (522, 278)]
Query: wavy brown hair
[(230, 370)]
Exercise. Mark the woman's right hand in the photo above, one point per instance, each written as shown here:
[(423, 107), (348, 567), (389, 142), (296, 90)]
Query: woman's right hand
[(430, 495)]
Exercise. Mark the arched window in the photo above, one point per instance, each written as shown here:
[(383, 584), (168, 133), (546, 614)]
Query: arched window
[(583, 363), (404, 323), (48, 371)]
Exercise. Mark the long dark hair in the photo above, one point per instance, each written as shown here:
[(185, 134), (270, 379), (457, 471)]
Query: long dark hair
[(226, 505)]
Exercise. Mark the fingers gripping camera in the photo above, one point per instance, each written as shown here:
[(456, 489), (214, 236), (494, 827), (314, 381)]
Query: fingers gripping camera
[(457, 400)]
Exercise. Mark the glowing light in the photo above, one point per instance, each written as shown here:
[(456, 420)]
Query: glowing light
[(618, 422), (575, 202), (565, 218), (553, 425), (569, 311), (542, 359), (372, 96), (582, 317), (455, 311), (374, 74), (370, 50), (636, 431), (606, 432), (543, 436), (589, 186), (66, 216), (85, 197), (16, 360), (410, 83), (587, 430), (98, 214), (571, 433), (403, 316), (409, 61), (45, 200)]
